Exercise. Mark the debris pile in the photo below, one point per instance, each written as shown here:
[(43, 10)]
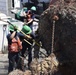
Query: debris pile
[(46, 66), (19, 72), (16, 72)]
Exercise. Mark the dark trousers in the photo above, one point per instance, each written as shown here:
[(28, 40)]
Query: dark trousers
[(29, 48), (13, 61)]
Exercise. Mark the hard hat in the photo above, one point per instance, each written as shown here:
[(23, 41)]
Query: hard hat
[(26, 29), (11, 28), (25, 9), (33, 8)]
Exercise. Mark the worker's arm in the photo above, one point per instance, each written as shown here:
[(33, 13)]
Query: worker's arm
[(29, 21), (13, 35)]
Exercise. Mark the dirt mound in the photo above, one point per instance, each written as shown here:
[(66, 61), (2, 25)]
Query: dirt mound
[(16, 72), (64, 35), (19, 72)]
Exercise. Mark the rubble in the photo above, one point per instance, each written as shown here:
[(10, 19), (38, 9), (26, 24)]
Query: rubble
[(16, 72), (19, 72), (44, 67), (27, 72)]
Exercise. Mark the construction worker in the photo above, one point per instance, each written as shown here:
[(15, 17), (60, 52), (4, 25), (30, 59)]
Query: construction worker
[(27, 30), (14, 48), (33, 9), (30, 20), (21, 14)]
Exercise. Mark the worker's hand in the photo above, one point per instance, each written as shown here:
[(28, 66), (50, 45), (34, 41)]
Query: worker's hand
[(29, 37), (25, 23), (15, 28)]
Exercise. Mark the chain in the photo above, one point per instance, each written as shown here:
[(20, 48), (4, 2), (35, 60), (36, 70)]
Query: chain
[(53, 30)]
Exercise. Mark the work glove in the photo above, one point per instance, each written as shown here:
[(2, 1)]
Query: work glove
[(25, 23), (15, 28)]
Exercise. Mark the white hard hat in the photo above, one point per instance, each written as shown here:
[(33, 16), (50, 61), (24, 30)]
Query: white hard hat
[(33, 8)]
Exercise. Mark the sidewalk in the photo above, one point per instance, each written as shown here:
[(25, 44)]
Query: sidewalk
[(3, 64)]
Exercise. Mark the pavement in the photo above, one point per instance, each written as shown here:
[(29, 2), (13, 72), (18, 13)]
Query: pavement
[(3, 64)]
